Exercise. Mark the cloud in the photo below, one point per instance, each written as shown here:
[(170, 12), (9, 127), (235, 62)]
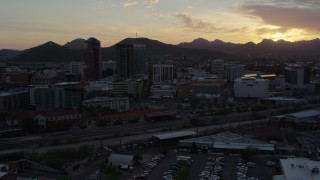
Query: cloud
[(286, 14), (130, 3), (197, 25), (151, 3), (262, 31), (148, 3)]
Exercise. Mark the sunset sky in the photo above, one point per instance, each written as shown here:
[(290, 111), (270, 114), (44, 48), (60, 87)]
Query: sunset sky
[(27, 23)]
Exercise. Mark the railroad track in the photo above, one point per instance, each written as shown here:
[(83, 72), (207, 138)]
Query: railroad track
[(94, 134)]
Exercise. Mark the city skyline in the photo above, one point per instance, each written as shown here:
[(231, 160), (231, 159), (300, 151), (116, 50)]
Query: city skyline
[(30, 23)]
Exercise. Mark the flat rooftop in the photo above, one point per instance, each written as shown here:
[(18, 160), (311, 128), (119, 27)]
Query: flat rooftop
[(300, 168), (227, 140), (305, 114), (100, 99), (173, 135)]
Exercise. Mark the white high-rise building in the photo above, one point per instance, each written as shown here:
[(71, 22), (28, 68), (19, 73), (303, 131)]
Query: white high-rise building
[(77, 68), (162, 73), (251, 87)]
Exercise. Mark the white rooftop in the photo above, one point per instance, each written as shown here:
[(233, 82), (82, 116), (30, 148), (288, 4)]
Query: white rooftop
[(227, 140), (300, 169), (304, 114), (2, 174)]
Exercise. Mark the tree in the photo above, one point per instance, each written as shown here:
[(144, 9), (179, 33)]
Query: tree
[(214, 120), (137, 158), (195, 121), (29, 125), (112, 173), (64, 178), (249, 152), (182, 174), (86, 151), (195, 102), (193, 148)]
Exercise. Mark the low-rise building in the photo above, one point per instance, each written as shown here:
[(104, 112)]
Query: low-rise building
[(164, 90), (44, 118), (282, 101), (14, 100), (303, 120), (129, 87), (7, 172), (210, 87), (117, 160), (227, 141), (114, 103), (298, 168)]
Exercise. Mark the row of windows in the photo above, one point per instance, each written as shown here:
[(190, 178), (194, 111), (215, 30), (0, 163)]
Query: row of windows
[(64, 117)]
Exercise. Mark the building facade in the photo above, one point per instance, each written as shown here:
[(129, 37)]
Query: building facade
[(162, 73), (114, 103), (208, 87), (14, 100), (217, 67), (131, 60), (77, 68), (129, 87), (92, 58), (298, 77), (54, 97), (233, 71), (250, 87)]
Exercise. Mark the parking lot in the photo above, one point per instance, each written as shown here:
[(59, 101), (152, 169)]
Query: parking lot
[(200, 165)]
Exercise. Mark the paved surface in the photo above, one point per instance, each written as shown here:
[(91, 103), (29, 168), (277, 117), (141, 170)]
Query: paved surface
[(229, 172)]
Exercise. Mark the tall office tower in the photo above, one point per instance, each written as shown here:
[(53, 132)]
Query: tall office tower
[(233, 71), (92, 58), (2, 72), (217, 67), (130, 60), (125, 61), (162, 73), (140, 58)]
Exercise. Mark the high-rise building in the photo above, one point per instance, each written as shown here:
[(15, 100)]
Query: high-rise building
[(162, 73), (130, 60), (233, 71), (125, 61), (140, 58), (2, 72), (92, 58), (217, 67)]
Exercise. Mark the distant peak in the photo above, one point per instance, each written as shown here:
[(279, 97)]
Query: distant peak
[(267, 41), (250, 43), (49, 43), (75, 44), (200, 40), (217, 41)]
